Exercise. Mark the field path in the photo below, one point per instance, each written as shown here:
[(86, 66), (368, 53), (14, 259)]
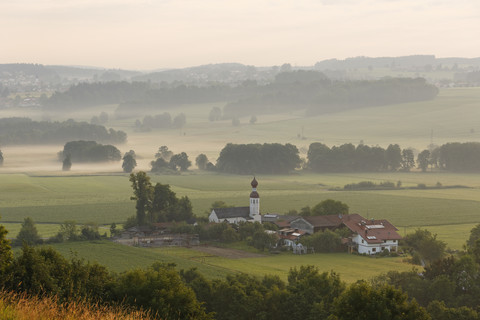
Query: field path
[(227, 253)]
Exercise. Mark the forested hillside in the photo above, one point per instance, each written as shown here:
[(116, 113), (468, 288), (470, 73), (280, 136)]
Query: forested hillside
[(297, 90), (26, 131)]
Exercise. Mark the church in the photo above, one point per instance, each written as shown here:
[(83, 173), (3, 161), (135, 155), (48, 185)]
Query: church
[(238, 214)]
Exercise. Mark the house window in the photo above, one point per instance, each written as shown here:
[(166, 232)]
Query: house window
[(394, 241), (374, 249), (363, 241), (383, 248)]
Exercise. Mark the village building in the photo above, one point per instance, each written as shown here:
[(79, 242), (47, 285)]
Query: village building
[(372, 236), (240, 214), (367, 236)]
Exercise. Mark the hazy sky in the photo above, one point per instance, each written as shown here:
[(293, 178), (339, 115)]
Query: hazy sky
[(150, 34)]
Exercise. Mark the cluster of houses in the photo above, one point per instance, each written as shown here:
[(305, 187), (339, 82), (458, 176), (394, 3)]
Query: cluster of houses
[(367, 236)]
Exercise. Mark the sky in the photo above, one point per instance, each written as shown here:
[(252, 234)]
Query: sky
[(155, 34)]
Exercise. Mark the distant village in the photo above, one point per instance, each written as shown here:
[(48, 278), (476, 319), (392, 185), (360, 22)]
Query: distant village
[(366, 236)]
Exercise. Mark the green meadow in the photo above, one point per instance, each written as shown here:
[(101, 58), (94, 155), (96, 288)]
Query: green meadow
[(50, 200), (33, 185), (119, 258)]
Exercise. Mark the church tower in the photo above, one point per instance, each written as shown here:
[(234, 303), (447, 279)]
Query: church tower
[(255, 202)]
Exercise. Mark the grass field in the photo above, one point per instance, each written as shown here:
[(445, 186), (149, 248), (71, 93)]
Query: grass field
[(119, 258), (105, 199), (33, 185)]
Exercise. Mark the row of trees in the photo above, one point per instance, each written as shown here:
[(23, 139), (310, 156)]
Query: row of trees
[(88, 151), (311, 90), (26, 131), (165, 161), (69, 231), (300, 89), (268, 158), (161, 121), (362, 158)]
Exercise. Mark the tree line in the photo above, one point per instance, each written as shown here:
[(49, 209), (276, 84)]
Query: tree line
[(268, 158), (275, 158), (186, 294), (447, 289), (26, 131), (362, 158), (87, 151), (301, 89)]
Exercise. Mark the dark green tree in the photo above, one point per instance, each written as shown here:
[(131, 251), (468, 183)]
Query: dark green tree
[(474, 236), (129, 161), (67, 163), (439, 311), (361, 301), (423, 160), (426, 244), (6, 255), (393, 157), (329, 206), (1, 158), (28, 233), (312, 293), (324, 241), (180, 161), (142, 194), (262, 240), (408, 160), (160, 289), (159, 165), (201, 161), (164, 153)]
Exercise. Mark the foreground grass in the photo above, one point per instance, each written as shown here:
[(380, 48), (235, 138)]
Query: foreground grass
[(20, 307), (120, 258)]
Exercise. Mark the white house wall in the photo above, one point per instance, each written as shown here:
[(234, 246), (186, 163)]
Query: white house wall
[(364, 247)]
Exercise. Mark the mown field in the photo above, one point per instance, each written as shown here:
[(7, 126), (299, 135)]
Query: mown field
[(103, 199), (32, 185), (119, 258)]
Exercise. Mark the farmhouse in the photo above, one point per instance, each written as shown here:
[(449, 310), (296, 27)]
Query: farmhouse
[(239, 214), (368, 236), (313, 224), (372, 236)]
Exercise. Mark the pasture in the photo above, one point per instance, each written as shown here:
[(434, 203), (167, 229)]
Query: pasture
[(33, 185), (119, 258), (103, 199)]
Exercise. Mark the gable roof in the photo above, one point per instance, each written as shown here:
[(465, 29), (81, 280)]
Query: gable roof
[(372, 231), (324, 221), (235, 212)]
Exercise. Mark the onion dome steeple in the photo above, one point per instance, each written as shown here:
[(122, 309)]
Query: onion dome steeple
[(254, 193)]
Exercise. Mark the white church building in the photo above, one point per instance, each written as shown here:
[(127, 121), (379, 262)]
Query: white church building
[(238, 214)]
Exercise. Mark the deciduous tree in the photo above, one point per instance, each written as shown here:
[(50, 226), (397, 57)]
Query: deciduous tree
[(201, 161), (129, 161), (28, 233)]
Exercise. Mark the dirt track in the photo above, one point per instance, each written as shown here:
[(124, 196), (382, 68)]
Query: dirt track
[(227, 253)]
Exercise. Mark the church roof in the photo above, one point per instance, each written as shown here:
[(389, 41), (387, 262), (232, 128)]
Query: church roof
[(254, 183), (235, 212)]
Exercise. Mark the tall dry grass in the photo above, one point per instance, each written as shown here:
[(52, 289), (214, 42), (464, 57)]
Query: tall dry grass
[(15, 306)]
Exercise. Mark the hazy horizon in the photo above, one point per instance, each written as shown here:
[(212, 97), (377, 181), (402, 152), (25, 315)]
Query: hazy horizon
[(146, 35)]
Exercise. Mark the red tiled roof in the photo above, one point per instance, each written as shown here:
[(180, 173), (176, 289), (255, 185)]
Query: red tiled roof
[(372, 231)]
